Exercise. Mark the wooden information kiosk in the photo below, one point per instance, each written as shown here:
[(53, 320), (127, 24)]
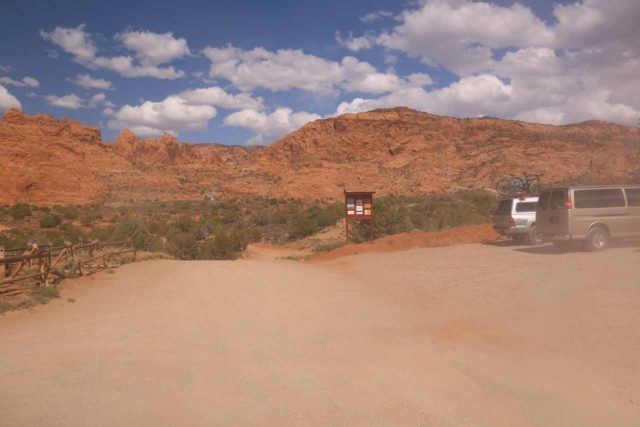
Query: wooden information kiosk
[(358, 205)]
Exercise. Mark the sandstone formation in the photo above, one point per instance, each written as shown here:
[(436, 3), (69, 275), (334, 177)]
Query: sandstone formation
[(48, 161)]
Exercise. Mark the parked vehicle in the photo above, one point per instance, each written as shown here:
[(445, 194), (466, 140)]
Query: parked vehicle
[(589, 216), (528, 184), (516, 218)]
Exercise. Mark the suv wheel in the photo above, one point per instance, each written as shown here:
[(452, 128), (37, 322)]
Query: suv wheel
[(534, 238), (597, 239), (518, 237)]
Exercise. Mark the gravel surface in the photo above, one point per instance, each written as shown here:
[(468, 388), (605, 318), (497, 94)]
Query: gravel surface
[(477, 335)]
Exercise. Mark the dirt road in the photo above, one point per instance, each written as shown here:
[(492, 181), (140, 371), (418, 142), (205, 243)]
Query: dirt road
[(471, 335)]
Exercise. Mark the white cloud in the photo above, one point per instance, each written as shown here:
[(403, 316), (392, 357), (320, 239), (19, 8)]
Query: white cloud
[(372, 17), (5, 68), (80, 45), (263, 125), (218, 97), (25, 82), (74, 41), (125, 66), (153, 48), (74, 102), (355, 44), (293, 69), (583, 66), (7, 100), (467, 97), (170, 115), (459, 34), (88, 82), (70, 101)]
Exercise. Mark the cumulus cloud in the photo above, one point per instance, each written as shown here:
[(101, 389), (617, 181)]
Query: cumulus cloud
[(7, 100), (81, 46), (355, 44), (293, 69), (74, 102), (170, 115), (264, 125), (88, 82), (187, 110), (466, 97), (25, 82), (153, 48), (460, 34), (218, 97), (582, 66), (70, 101)]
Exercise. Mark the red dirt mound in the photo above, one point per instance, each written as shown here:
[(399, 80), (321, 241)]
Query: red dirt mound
[(404, 241)]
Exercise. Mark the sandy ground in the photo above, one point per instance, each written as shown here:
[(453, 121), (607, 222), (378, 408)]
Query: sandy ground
[(469, 335)]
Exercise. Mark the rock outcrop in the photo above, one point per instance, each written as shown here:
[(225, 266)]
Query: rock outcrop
[(48, 161)]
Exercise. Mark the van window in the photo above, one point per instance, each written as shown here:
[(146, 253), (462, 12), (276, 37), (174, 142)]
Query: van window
[(557, 199), (504, 208), (543, 202), (526, 207), (633, 196), (602, 198)]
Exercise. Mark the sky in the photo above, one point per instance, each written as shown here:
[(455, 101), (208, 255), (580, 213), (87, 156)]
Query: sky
[(248, 72)]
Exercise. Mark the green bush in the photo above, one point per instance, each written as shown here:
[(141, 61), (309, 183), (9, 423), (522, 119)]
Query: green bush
[(50, 221), (70, 213), (302, 226), (221, 246), (20, 211)]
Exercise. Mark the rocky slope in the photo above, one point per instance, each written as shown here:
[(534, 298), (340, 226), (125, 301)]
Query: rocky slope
[(48, 161)]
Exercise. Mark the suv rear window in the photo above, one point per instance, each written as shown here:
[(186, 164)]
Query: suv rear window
[(526, 207), (557, 199), (504, 208), (633, 196), (543, 202), (602, 198)]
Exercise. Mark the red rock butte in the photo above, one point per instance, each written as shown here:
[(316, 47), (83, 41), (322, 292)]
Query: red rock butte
[(394, 151)]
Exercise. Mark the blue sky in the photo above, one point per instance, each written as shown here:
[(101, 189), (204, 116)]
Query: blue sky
[(240, 72)]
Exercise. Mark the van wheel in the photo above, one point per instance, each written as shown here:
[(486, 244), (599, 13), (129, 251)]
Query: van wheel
[(534, 238), (597, 239)]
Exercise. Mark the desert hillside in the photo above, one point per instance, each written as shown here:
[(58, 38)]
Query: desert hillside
[(48, 161)]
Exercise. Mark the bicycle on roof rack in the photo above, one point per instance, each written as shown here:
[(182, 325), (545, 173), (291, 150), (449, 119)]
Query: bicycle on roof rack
[(526, 184)]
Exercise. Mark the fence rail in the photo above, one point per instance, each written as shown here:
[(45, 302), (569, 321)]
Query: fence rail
[(48, 264)]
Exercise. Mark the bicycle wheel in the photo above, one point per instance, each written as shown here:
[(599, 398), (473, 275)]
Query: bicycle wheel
[(503, 187), (517, 185), (534, 185)]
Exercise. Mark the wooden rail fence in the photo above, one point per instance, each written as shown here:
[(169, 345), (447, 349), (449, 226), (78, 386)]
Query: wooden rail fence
[(48, 264)]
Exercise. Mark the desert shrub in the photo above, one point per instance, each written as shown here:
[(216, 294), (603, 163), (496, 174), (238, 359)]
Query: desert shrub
[(50, 221), (221, 246), (133, 228), (70, 213), (182, 245), (20, 211), (48, 292), (313, 219), (326, 247), (302, 226)]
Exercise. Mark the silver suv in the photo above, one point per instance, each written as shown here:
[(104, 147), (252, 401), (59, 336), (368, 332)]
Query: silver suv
[(516, 218)]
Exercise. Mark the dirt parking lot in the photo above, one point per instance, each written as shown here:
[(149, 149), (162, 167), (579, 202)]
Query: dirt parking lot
[(469, 335)]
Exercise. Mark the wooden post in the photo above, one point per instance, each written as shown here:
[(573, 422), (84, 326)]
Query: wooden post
[(3, 271), (346, 223), (371, 230)]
